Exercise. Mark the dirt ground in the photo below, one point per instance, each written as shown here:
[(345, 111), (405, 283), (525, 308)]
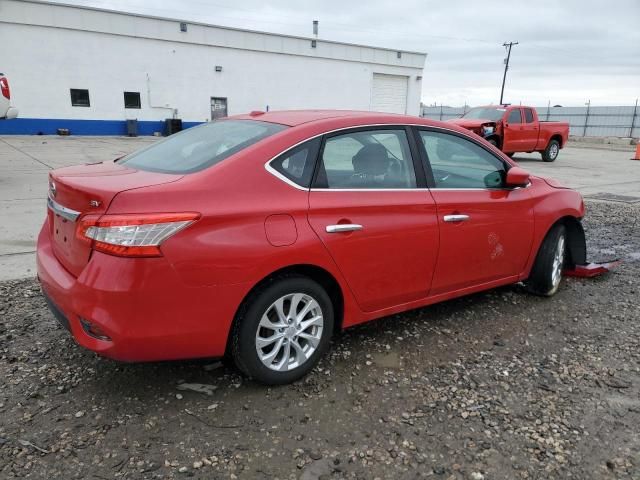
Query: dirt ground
[(498, 385)]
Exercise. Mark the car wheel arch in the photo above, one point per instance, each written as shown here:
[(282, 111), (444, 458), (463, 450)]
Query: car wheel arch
[(320, 275), (576, 241), (495, 138), (558, 138)]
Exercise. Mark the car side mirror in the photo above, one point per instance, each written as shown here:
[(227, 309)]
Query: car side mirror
[(517, 177)]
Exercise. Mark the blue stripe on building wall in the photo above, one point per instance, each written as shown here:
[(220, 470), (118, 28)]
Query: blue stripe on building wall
[(49, 126)]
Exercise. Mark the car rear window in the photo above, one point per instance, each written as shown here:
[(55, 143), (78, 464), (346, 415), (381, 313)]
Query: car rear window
[(200, 147)]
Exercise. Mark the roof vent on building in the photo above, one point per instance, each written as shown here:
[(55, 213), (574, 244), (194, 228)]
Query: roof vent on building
[(313, 44), (218, 68), (183, 27), (399, 54)]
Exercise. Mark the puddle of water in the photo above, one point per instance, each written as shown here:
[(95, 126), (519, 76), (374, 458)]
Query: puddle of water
[(386, 360)]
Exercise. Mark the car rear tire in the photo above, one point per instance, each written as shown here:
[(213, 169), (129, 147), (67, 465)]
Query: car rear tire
[(282, 330), (551, 152), (546, 273)]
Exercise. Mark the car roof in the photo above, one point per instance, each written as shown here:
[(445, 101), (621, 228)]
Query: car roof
[(293, 118)]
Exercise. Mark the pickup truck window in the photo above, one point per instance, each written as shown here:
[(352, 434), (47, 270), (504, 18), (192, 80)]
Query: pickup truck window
[(514, 116), (492, 114), (528, 115), (459, 163)]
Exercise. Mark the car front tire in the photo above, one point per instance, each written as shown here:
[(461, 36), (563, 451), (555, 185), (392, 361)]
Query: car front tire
[(282, 330), (546, 273)]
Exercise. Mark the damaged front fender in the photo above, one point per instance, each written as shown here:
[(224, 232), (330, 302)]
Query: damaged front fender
[(578, 265), (576, 242), (592, 269)]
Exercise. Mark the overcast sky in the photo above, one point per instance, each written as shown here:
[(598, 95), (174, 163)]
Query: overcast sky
[(570, 51)]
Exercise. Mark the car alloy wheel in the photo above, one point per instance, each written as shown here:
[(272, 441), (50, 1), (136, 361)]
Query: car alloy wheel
[(289, 332), (558, 262)]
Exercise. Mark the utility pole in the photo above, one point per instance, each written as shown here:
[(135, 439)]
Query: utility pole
[(506, 65)]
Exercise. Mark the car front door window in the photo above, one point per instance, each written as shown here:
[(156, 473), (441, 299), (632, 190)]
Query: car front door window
[(459, 163)]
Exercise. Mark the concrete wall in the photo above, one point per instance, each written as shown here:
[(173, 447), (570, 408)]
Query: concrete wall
[(55, 48)]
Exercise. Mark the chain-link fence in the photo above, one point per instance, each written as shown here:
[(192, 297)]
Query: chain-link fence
[(587, 121)]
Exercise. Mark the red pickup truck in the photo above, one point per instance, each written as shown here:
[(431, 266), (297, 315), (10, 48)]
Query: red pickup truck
[(516, 129)]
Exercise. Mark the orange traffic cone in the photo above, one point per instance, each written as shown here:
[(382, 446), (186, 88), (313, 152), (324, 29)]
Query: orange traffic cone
[(637, 155)]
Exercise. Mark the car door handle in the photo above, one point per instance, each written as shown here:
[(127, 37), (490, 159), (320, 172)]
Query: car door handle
[(343, 227), (456, 218)]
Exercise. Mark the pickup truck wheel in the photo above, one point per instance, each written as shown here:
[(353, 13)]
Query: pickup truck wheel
[(493, 142), (551, 152), (510, 155), (546, 273)]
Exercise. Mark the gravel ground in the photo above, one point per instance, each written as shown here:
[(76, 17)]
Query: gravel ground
[(497, 385)]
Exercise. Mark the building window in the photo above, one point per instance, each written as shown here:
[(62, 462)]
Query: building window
[(79, 97), (131, 99), (183, 27)]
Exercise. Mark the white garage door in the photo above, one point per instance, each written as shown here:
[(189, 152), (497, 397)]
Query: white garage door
[(389, 93)]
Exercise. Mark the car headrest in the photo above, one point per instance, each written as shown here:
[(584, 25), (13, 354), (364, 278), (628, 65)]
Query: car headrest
[(372, 159)]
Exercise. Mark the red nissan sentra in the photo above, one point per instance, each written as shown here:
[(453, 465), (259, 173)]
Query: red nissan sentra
[(260, 235)]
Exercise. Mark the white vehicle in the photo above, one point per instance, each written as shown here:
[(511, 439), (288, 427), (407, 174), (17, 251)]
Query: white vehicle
[(6, 110)]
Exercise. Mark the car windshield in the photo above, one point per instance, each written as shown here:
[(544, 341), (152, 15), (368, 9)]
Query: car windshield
[(482, 113), (200, 147)]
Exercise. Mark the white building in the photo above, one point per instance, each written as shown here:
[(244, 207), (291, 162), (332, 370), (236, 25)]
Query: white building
[(70, 66)]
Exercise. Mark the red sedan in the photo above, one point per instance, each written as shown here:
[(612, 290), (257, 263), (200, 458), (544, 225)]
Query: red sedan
[(258, 236)]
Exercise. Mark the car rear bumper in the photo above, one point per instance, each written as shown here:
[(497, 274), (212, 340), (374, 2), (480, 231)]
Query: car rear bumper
[(140, 304)]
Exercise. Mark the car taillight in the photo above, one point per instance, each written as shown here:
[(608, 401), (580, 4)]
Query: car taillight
[(132, 235), (4, 88)]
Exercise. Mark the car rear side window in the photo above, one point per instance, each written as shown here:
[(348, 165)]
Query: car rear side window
[(372, 159), (514, 116), (200, 147), (528, 115), (459, 163), (298, 163)]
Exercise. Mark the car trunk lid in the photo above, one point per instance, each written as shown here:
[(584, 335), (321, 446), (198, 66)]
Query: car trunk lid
[(83, 190)]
